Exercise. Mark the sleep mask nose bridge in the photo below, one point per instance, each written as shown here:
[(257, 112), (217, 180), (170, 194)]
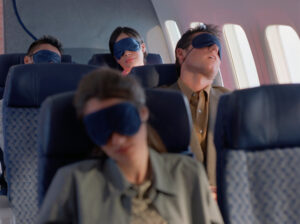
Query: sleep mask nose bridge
[(126, 44), (122, 118), (206, 40)]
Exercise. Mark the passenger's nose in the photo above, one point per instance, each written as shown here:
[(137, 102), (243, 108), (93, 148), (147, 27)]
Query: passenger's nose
[(117, 139), (214, 47), (127, 53)]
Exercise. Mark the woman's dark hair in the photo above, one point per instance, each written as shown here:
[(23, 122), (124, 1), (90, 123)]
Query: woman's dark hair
[(187, 37), (127, 30), (105, 84)]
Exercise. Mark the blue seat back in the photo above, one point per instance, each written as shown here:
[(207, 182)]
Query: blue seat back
[(108, 60), (257, 137), (27, 87), (160, 75), (8, 60), (155, 75), (62, 137)]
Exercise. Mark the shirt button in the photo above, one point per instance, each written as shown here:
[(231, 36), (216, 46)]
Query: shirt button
[(194, 94), (201, 131), (199, 110)]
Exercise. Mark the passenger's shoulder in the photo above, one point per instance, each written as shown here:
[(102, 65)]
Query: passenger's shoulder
[(181, 163), (220, 89), (81, 166)]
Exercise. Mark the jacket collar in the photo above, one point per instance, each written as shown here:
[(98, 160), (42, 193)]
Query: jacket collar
[(162, 178)]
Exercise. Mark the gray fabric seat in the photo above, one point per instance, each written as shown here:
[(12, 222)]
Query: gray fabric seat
[(257, 137), (27, 87)]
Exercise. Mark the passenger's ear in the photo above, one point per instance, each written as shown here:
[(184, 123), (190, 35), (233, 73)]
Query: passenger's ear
[(180, 54), (28, 60), (144, 114), (143, 47)]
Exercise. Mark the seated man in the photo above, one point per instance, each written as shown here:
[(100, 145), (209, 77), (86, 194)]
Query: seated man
[(47, 49), (198, 58)]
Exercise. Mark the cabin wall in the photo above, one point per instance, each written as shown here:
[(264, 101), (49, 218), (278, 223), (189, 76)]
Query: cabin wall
[(84, 27), (254, 16)]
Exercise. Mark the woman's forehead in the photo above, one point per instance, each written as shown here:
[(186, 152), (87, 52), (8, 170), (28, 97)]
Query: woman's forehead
[(122, 36), (95, 104)]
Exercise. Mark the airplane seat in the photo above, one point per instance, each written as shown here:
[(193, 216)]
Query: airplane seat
[(62, 138), (257, 139), (8, 60), (108, 60), (26, 87), (157, 75)]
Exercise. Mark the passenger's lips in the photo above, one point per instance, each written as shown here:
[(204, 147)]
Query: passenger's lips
[(123, 149), (128, 60)]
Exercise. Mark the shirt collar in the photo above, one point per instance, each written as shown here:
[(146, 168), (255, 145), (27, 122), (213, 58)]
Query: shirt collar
[(188, 92)]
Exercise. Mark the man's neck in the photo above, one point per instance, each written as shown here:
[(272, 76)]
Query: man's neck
[(195, 81)]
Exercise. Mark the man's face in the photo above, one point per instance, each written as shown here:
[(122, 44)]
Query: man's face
[(204, 60), (28, 59)]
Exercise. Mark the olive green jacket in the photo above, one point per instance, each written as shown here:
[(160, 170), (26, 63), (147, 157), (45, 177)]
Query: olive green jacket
[(95, 191)]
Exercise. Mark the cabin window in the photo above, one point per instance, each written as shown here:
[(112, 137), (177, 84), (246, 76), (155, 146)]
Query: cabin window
[(284, 48), (173, 35), (238, 48)]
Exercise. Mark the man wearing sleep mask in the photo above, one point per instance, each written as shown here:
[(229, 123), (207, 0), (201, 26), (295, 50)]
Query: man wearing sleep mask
[(47, 49), (198, 59)]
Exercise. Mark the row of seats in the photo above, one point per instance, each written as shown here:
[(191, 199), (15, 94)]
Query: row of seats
[(8, 60), (27, 86), (256, 139)]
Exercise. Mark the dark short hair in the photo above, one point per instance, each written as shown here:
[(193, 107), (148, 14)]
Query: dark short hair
[(46, 39), (108, 83), (127, 30), (186, 38)]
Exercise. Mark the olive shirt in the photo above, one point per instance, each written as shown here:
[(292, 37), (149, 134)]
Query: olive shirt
[(204, 115), (95, 191)]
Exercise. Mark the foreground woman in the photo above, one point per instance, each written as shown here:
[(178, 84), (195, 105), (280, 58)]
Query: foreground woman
[(131, 182)]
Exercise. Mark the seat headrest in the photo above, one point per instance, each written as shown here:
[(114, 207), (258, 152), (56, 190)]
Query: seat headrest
[(257, 118), (108, 60), (62, 132), (28, 85), (62, 138), (8, 60), (170, 117), (161, 74), (155, 75)]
